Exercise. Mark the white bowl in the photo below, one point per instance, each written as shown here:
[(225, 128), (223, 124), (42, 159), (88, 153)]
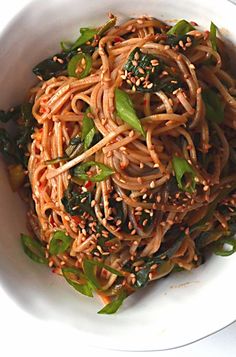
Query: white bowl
[(172, 312)]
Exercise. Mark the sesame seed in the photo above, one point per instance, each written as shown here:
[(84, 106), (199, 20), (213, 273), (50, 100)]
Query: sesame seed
[(141, 165), (154, 62), (205, 188), (133, 89), (152, 184), (191, 66), (130, 226), (123, 76), (144, 196), (133, 232), (145, 222), (141, 70), (138, 208), (84, 232), (83, 199), (136, 56), (104, 221), (118, 222), (134, 63), (118, 199), (60, 60), (156, 165), (149, 86), (131, 133), (138, 82), (139, 179)]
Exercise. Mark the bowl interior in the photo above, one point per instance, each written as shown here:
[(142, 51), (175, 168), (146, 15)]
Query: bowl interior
[(172, 312)]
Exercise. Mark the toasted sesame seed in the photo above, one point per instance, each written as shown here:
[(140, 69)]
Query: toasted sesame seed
[(83, 199), (152, 184), (139, 179), (154, 62), (144, 196), (141, 165), (145, 222), (131, 133), (138, 82), (118, 199), (149, 86), (141, 70), (123, 76), (136, 56), (130, 226), (191, 66), (129, 82), (84, 232), (60, 60), (134, 63), (205, 188), (133, 232), (133, 89), (118, 222)]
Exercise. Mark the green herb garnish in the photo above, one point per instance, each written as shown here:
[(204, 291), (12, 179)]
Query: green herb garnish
[(214, 106), (183, 170), (33, 249), (104, 171), (126, 112), (59, 243)]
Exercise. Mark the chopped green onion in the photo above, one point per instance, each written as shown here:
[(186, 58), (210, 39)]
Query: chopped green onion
[(113, 306), (88, 130), (181, 28), (213, 39), (65, 45), (77, 60), (107, 26), (214, 106), (33, 249), (80, 171), (59, 243), (84, 288), (90, 273), (183, 168), (220, 246), (86, 34), (126, 112), (104, 266), (142, 276)]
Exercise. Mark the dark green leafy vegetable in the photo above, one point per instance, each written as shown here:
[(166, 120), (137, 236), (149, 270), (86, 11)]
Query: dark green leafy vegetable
[(214, 106), (220, 246), (113, 306), (80, 171), (59, 243), (183, 170), (12, 114), (181, 28), (88, 130), (72, 201), (75, 147), (78, 60), (84, 288), (33, 249), (213, 30), (152, 67), (142, 276), (126, 112)]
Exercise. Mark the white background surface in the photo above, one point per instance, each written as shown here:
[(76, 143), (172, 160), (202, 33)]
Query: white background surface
[(20, 335)]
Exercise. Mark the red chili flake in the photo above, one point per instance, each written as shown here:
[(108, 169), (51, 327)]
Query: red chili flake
[(118, 39), (88, 184), (76, 219), (123, 165), (145, 102)]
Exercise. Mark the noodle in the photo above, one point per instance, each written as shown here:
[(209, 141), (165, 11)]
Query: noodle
[(145, 212)]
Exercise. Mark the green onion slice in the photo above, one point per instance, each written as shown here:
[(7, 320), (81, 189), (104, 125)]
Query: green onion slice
[(78, 60), (126, 112), (33, 249), (181, 28), (86, 34), (80, 171), (213, 39), (214, 106), (183, 168), (220, 246), (70, 274), (88, 130), (113, 306), (59, 243)]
